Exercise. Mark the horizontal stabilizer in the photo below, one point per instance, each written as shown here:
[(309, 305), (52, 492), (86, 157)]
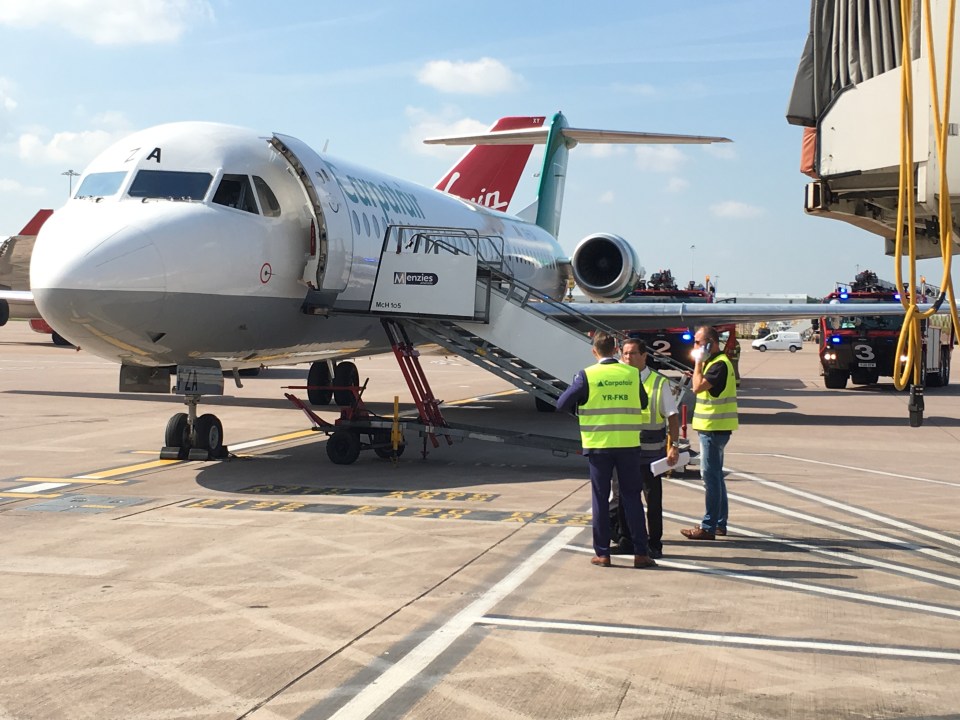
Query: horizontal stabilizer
[(538, 136), (16, 295)]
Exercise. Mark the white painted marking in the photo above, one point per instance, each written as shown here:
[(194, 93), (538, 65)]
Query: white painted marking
[(38, 487), (885, 520), (727, 639), (840, 555), (851, 467), (832, 524), (804, 587), (380, 690)]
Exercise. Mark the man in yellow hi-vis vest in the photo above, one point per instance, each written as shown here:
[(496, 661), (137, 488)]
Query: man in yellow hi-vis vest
[(714, 419), (609, 399), (659, 438)]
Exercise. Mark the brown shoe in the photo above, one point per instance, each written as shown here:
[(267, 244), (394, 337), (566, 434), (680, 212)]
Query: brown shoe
[(698, 533), (721, 531), (600, 560), (644, 561)]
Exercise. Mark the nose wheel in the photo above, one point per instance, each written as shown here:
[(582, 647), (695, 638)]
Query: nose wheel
[(188, 437)]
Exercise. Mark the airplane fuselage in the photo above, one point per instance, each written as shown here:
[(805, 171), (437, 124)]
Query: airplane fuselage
[(197, 242)]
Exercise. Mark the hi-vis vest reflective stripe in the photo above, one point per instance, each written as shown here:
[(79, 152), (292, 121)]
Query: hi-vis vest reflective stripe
[(611, 416), (717, 413), (653, 435)]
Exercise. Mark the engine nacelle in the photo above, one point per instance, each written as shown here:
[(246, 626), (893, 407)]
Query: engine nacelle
[(605, 267)]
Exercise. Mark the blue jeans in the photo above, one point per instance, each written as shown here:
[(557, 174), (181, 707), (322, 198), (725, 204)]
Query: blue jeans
[(711, 470)]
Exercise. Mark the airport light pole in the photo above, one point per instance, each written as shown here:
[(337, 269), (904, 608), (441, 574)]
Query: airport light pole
[(692, 249), (71, 174)]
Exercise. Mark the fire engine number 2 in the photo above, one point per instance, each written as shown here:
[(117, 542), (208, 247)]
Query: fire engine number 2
[(661, 347)]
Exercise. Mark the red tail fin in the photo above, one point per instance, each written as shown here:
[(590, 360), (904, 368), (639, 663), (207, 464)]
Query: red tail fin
[(488, 174), (33, 227)]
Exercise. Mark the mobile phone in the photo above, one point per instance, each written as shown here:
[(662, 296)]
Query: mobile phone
[(707, 348)]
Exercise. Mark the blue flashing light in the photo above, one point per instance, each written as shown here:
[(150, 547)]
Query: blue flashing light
[(897, 296), (844, 296), (686, 337), (835, 339)]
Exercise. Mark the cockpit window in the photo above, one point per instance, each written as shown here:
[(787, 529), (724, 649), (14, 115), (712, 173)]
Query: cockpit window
[(235, 192), (170, 184), (268, 201), (101, 184)]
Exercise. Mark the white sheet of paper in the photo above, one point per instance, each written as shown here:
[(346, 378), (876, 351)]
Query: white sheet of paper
[(659, 467)]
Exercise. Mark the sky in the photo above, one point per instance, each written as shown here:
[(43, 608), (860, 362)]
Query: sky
[(372, 80)]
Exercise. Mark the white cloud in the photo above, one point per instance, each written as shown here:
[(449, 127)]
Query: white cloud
[(735, 209), (486, 76), (109, 22), (677, 184), (659, 158), (15, 187), (67, 148), (723, 151), (7, 102), (425, 125)]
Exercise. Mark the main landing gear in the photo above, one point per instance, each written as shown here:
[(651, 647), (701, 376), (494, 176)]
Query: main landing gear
[(189, 437), (324, 375)]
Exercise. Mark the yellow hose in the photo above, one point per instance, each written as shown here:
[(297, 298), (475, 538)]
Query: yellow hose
[(909, 345)]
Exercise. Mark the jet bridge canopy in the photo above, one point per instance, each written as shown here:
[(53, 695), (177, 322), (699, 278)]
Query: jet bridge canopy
[(848, 92)]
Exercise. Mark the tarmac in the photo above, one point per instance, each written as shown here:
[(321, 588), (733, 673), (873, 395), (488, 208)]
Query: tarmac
[(277, 585)]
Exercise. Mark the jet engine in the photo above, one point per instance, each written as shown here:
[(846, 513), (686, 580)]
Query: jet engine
[(606, 267)]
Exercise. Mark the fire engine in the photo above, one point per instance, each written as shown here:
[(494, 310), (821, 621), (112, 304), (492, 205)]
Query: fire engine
[(862, 349), (675, 343)]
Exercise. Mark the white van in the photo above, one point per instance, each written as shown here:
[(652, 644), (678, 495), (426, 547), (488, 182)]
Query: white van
[(782, 340)]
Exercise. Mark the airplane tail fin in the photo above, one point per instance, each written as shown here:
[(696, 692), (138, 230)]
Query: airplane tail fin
[(489, 174), (559, 138), (36, 222)]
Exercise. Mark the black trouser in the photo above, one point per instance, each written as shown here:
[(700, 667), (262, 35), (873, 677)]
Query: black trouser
[(653, 495)]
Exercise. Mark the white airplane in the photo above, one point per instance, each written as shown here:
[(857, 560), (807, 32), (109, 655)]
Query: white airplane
[(201, 248)]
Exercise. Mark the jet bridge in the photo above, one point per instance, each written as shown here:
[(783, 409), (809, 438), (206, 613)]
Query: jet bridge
[(848, 95)]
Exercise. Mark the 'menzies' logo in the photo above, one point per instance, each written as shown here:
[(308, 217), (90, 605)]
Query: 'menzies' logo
[(408, 278)]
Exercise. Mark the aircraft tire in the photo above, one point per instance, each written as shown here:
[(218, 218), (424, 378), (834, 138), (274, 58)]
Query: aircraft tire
[(176, 432), (60, 341), (345, 374), (4, 312), (317, 378), (343, 447), (209, 434)]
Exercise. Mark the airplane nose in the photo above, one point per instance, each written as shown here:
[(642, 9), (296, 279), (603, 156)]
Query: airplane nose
[(98, 289)]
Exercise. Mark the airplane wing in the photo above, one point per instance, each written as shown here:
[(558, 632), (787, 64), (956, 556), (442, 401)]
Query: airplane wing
[(538, 136), (16, 295), (641, 316)]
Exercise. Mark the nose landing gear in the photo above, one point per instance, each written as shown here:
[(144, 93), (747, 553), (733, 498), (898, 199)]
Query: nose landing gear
[(189, 437)]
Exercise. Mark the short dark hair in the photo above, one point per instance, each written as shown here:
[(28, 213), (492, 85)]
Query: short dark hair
[(641, 345), (711, 335), (605, 345)]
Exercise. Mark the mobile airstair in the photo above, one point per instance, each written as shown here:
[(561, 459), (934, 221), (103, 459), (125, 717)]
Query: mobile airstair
[(451, 287)]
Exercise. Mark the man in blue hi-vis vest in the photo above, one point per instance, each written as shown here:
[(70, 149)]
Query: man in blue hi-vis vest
[(609, 400)]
